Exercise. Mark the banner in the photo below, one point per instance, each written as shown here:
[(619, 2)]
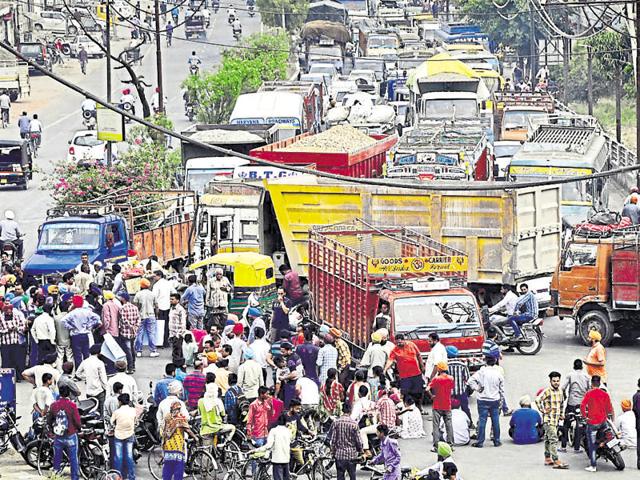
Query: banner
[(435, 264)]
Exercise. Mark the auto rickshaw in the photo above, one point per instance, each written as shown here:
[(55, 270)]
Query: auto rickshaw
[(195, 25), (249, 273), (16, 163)]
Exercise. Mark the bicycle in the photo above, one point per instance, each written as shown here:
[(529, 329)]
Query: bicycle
[(199, 463), (35, 138), (237, 470)]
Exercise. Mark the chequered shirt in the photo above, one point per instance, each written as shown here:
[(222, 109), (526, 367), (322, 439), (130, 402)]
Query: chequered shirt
[(387, 411), (344, 354), (327, 359), (12, 328), (129, 321), (345, 439), (177, 321), (551, 399)]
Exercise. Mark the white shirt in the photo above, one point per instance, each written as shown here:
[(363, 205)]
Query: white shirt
[(508, 302), (127, 99), (626, 424), (43, 396), (35, 126), (279, 442), (238, 345), (437, 354), (95, 375), (260, 349), (129, 384), (250, 378), (491, 381), (44, 328), (5, 101), (9, 230), (360, 407), (88, 104), (460, 423), (309, 394), (37, 372), (162, 292)]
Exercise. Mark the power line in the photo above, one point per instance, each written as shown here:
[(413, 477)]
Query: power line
[(484, 186)]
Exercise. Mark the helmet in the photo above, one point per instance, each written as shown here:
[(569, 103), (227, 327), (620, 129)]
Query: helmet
[(9, 215)]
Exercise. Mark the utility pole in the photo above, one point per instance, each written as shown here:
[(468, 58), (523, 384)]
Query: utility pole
[(637, 52), (589, 80), (532, 43), (159, 57), (566, 48), (108, 47)]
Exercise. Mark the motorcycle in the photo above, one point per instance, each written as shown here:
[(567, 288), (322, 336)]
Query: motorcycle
[(608, 444), (127, 107), (147, 428), (194, 69), (252, 10), (237, 34), (529, 344), (9, 433), (231, 18), (89, 119), (11, 250), (190, 111)]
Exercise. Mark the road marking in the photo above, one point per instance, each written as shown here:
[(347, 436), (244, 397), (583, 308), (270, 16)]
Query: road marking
[(62, 119)]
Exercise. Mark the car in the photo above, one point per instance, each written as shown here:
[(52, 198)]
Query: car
[(52, 21), (85, 148), (92, 49), (36, 52)]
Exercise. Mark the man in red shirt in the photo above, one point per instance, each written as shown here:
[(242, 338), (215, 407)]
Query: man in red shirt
[(440, 389), (66, 439), (410, 367), (595, 407), (260, 411)]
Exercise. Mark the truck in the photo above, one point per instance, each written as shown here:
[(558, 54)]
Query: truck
[(442, 153), (117, 228), (377, 43), (355, 266), (266, 108), (312, 97), (341, 149), (597, 283), (515, 114), (14, 79)]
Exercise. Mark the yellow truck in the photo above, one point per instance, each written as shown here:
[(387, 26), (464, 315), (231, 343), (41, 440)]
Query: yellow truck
[(510, 236)]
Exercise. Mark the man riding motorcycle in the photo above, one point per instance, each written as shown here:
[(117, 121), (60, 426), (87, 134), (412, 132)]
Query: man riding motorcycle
[(526, 309), (231, 14), (127, 97), (237, 27), (10, 232), (507, 304), (194, 59)]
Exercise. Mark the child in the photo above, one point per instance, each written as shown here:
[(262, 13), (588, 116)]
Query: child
[(189, 349), (281, 372)]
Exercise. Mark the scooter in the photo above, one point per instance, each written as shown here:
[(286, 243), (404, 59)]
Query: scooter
[(89, 119), (194, 69), (529, 344), (252, 10)]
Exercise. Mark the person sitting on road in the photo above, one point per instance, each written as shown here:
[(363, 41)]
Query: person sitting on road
[(525, 310), (526, 423)]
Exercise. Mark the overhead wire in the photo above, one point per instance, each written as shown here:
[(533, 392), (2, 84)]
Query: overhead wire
[(476, 186)]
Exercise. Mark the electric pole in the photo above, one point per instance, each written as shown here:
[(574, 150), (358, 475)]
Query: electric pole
[(159, 57), (108, 47), (637, 53), (532, 44), (589, 80)]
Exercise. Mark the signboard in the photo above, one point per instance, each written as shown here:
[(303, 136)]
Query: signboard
[(404, 159), (258, 172), (8, 388), (446, 159), (109, 125), (551, 171), (434, 264)]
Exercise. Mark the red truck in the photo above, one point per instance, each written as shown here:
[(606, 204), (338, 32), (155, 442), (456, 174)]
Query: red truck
[(359, 161), (355, 267)]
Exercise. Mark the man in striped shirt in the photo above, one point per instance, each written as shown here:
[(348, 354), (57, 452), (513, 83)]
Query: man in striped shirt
[(460, 373), (526, 310), (194, 385)]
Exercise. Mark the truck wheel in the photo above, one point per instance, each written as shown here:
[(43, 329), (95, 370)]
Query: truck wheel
[(13, 96), (66, 50), (37, 26), (595, 320), (72, 29)]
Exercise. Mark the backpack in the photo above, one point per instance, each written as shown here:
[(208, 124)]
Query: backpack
[(61, 424)]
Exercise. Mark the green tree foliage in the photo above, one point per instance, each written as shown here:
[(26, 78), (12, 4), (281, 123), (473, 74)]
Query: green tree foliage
[(510, 29), (241, 70), (295, 12)]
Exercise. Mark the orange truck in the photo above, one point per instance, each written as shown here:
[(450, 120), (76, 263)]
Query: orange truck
[(355, 267), (517, 113), (597, 283)]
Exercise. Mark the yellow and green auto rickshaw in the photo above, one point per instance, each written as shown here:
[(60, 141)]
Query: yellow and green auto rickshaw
[(249, 273)]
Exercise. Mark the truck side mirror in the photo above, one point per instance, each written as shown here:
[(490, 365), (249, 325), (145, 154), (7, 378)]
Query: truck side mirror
[(203, 228)]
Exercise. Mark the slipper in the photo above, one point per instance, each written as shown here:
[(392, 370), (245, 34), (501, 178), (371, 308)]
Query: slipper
[(561, 466)]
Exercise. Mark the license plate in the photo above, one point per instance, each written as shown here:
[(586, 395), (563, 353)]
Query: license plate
[(612, 443)]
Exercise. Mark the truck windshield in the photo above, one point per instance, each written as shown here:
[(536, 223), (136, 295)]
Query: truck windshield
[(450, 107), (69, 236), (516, 120), (438, 311)]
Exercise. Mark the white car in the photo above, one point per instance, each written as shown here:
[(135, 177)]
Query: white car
[(92, 49), (51, 21), (86, 149)]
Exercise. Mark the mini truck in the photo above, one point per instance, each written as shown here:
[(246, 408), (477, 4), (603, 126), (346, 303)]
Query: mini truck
[(354, 267), (597, 283), (115, 228)]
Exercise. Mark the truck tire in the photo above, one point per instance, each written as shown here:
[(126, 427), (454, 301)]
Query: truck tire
[(66, 49), (72, 30), (13, 95), (596, 320), (37, 27)]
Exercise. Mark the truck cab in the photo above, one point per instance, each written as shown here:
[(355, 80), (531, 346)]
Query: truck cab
[(422, 306), (62, 240)]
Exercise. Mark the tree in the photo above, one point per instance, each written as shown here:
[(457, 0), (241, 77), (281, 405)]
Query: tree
[(263, 58), (611, 58), (294, 13)]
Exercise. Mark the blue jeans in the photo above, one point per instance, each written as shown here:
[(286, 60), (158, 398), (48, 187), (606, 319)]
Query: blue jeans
[(173, 470), (147, 327), (486, 408), (69, 444), (592, 433), (516, 320), (124, 448), (80, 348), (258, 442)]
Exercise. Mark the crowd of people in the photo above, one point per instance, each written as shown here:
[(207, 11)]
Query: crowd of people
[(259, 371)]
